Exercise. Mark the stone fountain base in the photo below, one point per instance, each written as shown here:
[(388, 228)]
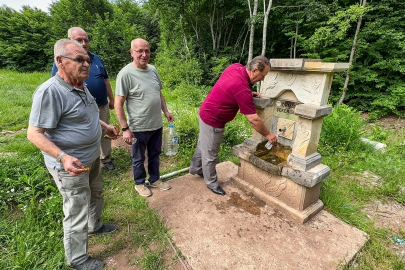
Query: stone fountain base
[(297, 215), (289, 190)]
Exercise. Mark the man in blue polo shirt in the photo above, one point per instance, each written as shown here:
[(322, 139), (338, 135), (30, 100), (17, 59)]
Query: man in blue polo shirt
[(100, 88)]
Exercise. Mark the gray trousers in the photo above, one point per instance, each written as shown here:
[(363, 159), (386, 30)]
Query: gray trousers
[(104, 115), (206, 153), (82, 205)]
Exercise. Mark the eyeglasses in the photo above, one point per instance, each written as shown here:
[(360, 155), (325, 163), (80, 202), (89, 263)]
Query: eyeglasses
[(80, 40), (78, 60), (142, 51)]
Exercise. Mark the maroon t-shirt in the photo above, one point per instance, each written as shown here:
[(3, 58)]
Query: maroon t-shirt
[(230, 94)]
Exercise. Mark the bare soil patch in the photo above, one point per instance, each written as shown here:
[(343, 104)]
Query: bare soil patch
[(9, 133), (389, 121), (389, 215), (367, 179)]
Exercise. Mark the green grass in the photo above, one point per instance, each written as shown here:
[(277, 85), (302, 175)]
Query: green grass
[(15, 101), (31, 214), (31, 206)]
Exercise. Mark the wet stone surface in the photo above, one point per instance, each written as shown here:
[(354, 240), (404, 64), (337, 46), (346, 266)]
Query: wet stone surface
[(251, 205)]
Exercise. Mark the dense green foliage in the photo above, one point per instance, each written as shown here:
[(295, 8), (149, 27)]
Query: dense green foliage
[(376, 77), (193, 41), (22, 38)]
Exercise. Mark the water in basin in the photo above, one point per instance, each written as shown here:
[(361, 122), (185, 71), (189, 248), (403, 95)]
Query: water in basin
[(277, 155)]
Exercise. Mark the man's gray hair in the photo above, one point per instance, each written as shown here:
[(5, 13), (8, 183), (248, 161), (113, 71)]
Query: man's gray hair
[(60, 47), (70, 30), (260, 62)]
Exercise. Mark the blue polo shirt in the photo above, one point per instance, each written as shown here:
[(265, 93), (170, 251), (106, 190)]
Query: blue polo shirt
[(95, 82)]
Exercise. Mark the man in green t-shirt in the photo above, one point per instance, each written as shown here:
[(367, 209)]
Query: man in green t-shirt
[(138, 85)]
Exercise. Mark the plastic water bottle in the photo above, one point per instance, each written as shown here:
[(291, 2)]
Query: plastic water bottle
[(269, 145), (171, 141)]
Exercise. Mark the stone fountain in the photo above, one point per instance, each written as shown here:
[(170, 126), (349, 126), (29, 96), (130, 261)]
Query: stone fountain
[(294, 100)]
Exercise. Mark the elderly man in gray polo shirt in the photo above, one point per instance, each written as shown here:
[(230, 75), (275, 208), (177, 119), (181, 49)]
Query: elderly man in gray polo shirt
[(64, 124)]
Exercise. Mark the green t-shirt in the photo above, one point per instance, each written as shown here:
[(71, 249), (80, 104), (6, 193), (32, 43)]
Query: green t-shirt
[(141, 89)]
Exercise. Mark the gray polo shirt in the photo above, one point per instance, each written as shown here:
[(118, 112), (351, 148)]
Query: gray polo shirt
[(141, 89), (71, 119)]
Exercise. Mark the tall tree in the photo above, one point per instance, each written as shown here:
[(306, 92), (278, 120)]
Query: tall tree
[(252, 27), (342, 97), (265, 22)]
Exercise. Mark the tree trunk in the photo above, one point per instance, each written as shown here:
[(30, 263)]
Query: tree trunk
[(291, 48), (295, 40), (266, 18), (351, 57), (252, 29), (211, 23)]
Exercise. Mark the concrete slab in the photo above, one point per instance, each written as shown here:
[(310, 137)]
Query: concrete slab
[(238, 231)]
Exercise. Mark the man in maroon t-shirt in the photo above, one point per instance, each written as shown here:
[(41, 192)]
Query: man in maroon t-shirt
[(230, 94)]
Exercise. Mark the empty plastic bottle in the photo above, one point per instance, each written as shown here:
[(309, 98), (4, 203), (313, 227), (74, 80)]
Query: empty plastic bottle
[(171, 141)]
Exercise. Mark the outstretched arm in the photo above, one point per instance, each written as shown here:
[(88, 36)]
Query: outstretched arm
[(259, 126)]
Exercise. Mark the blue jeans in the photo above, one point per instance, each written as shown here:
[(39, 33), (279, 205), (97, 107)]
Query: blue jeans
[(151, 141)]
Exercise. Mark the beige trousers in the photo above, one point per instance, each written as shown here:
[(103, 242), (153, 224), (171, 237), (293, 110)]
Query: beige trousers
[(82, 205)]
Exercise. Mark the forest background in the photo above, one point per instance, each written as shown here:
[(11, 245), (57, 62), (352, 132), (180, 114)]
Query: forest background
[(193, 41)]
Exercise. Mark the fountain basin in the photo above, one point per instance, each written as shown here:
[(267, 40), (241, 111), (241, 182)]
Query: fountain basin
[(283, 187)]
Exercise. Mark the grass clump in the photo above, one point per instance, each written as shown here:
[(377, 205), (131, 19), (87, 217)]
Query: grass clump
[(340, 131)]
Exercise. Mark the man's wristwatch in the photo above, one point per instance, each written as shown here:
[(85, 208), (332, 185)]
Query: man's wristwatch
[(60, 156), (125, 129)]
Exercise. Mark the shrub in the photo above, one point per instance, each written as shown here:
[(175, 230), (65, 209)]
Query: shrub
[(192, 95), (341, 130)]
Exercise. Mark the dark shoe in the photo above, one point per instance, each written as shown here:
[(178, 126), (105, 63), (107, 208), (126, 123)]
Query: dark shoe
[(109, 166), (89, 264), (106, 228), (218, 190)]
